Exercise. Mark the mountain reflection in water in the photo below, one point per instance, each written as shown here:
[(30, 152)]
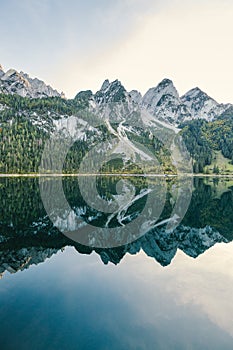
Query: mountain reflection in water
[(27, 236)]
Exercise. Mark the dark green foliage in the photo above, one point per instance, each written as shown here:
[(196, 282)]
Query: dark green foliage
[(25, 125), (81, 100), (24, 222), (21, 146), (22, 104), (197, 144), (216, 169), (202, 138)]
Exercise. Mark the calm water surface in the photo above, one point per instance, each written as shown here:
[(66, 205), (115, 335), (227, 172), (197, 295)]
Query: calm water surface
[(164, 291)]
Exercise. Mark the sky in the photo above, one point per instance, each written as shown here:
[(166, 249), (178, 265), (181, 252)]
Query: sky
[(75, 45)]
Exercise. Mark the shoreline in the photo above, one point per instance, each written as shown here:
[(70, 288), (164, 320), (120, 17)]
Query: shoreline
[(123, 174)]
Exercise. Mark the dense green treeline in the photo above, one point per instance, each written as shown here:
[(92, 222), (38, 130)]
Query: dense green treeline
[(26, 124), (202, 138), (53, 104), (21, 146)]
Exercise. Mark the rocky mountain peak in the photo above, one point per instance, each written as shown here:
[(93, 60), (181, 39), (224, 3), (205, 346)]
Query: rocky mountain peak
[(111, 92), (13, 82), (1, 71), (84, 95), (168, 87), (164, 103), (136, 96), (153, 95), (200, 104), (105, 85), (166, 82), (196, 93)]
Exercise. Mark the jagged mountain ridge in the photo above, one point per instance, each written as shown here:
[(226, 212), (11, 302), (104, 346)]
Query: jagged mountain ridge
[(155, 244), (27, 236), (13, 82), (162, 101), (113, 112), (202, 106)]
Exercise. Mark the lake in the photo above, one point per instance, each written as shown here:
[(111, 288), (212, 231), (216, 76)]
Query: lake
[(114, 285)]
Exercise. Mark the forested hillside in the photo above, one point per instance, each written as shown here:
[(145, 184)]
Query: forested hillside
[(26, 123), (203, 138)]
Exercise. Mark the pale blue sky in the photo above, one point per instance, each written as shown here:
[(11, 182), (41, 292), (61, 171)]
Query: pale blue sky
[(75, 45)]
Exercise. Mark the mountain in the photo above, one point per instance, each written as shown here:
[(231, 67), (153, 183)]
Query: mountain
[(156, 244), (150, 121), (1, 71), (31, 112), (13, 261), (164, 103), (13, 82), (202, 106), (136, 96), (111, 92)]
